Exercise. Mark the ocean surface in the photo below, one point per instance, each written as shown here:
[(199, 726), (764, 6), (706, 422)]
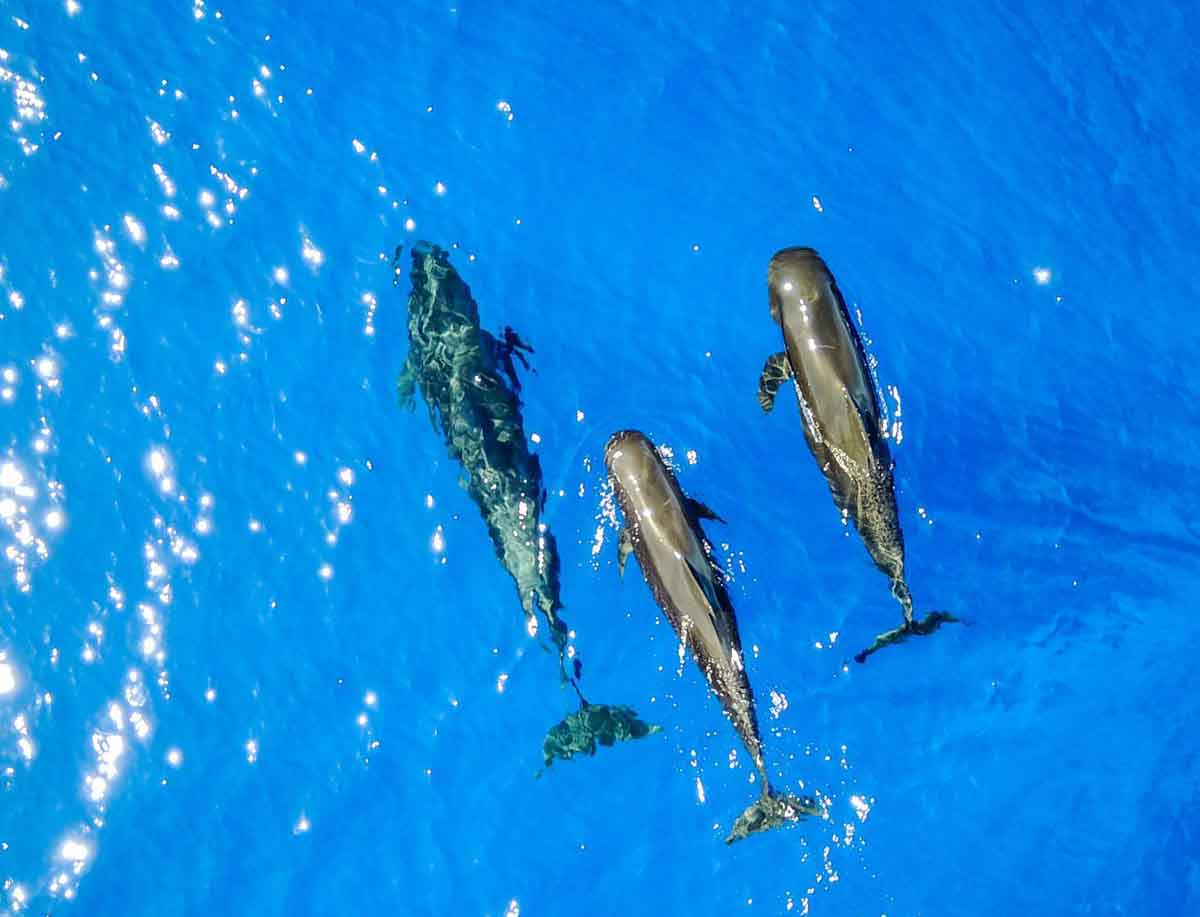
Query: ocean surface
[(257, 655)]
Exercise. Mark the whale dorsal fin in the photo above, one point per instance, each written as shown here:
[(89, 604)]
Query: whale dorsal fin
[(624, 549), (698, 510), (776, 371), (704, 578), (866, 422)]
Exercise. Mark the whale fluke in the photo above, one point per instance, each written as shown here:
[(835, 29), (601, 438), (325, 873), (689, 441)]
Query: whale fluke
[(771, 810), (593, 724), (910, 628)]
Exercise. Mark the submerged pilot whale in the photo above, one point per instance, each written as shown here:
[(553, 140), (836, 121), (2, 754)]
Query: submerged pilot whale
[(468, 381), (825, 359), (662, 527)]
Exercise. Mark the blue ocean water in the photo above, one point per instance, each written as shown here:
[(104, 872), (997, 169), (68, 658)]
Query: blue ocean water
[(256, 653)]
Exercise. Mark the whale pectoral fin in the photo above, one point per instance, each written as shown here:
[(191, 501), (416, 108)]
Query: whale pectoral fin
[(776, 371), (624, 549), (699, 511), (513, 340)]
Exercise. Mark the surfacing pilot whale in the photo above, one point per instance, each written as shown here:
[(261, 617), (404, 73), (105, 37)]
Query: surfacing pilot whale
[(825, 358), (468, 381), (662, 527)]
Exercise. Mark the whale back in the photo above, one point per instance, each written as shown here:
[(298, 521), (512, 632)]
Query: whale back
[(826, 354), (674, 557), (838, 401), (668, 548)]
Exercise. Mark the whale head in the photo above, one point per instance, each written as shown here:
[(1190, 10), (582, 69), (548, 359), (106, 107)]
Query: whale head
[(796, 277), (626, 455)]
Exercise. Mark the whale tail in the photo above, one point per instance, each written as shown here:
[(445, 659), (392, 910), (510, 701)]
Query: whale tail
[(593, 725), (771, 810), (910, 628)]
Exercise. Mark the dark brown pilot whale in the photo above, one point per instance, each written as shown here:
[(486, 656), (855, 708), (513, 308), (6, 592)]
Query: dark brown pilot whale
[(662, 527), (825, 358)]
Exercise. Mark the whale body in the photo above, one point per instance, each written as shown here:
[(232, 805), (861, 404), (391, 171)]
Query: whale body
[(662, 528), (472, 398), (468, 381), (843, 426)]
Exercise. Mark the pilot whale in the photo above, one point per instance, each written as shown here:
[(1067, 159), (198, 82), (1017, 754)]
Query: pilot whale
[(468, 381), (825, 358), (662, 527)]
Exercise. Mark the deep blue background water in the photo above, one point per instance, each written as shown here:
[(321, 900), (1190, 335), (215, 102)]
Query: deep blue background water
[(323, 731)]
